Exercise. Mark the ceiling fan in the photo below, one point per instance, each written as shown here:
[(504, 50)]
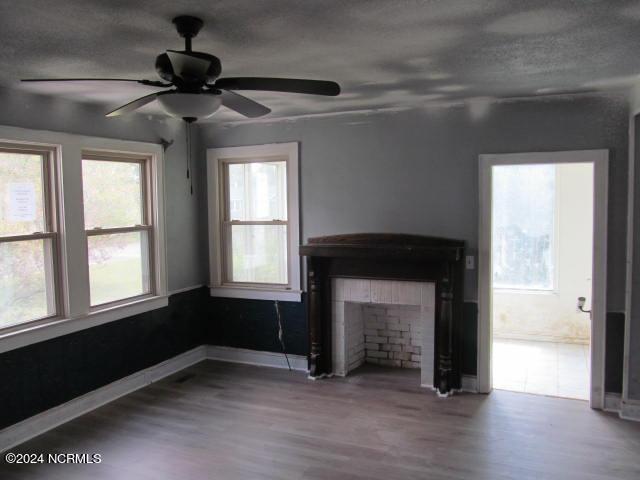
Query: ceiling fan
[(194, 89)]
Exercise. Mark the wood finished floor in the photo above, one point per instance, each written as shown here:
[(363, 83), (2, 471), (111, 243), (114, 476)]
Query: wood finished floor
[(224, 421)]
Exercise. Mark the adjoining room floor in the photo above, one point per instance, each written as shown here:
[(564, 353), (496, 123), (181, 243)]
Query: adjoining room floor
[(544, 368), (224, 421)]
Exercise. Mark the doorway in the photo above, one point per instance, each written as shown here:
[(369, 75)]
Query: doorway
[(542, 273)]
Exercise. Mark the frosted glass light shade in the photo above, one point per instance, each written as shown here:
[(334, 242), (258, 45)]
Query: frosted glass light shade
[(194, 105)]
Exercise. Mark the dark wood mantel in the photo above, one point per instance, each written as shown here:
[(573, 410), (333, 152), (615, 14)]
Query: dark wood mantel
[(387, 257)]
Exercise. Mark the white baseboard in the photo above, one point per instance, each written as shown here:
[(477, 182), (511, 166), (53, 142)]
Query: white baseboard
[(469, 383), (612, 402), (630, 410), (255, 357), (42, 422), (626, 409)]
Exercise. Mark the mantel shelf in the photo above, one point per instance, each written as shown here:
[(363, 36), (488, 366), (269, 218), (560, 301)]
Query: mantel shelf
[(378, 251)]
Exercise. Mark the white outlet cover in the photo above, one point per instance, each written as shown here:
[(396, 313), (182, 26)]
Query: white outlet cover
[(470, 262)]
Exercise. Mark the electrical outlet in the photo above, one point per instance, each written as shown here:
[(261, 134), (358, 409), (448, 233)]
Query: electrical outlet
[(471, 262)]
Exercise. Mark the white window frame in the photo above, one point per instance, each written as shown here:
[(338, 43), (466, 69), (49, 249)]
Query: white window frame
[(51, 227), (217, 158), (147, 224), (75, 312)]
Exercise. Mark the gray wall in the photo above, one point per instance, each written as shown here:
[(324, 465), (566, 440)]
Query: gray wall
[(186, 223), (417, 171)]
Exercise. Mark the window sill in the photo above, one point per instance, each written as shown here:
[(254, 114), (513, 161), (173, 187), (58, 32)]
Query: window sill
[(256, 293), (55, 328)]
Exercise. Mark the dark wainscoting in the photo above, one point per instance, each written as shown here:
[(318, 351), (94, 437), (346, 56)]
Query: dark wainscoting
[(253, 324), (614, 352), (469, 339), (40, 376)]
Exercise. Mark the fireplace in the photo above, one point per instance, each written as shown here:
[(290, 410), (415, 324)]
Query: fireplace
[(345, 272), (384, 322)]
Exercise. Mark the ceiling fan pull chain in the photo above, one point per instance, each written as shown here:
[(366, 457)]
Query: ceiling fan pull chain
[(188, 148), (190, 159), (189, 176)]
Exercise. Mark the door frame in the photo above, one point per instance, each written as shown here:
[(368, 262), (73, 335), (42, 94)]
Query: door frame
[(600, 161)]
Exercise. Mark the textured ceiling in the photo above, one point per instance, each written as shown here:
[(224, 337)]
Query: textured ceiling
[(384, 53)]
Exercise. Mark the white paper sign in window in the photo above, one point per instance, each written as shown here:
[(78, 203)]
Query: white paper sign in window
[(21, 199)]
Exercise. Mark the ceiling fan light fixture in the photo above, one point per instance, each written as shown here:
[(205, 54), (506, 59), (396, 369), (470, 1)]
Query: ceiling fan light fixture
[(190, 105)]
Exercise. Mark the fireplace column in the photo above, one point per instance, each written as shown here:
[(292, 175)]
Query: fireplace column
[(445, 332), (316, 312)]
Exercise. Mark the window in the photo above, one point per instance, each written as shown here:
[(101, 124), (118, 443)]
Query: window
[(255, 221), (117, 216), (62, 271), (29, 284), (524, 227)]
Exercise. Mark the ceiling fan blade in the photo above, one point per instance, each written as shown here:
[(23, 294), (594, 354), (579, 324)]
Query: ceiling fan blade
[(152, 83), (292, 85), (134, 105), (188, 66), (243, 105)]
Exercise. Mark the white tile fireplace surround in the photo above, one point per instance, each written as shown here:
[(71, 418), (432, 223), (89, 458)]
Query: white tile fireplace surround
[(386, 322)]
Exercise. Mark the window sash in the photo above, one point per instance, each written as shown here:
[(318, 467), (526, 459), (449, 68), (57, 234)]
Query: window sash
[(49, 192), (149, 263), (145, 175), (50, 200), (147, 225), (225, 186), (227, 256), (52, 278)]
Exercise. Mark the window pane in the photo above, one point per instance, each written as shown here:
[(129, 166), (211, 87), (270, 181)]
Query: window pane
[(523, 226), (259, 253), (118, 266), (112, 193), (26, 281), (21, 194), (258, 191)]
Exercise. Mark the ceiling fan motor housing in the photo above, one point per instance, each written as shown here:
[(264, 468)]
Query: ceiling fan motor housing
[(164, 68)]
